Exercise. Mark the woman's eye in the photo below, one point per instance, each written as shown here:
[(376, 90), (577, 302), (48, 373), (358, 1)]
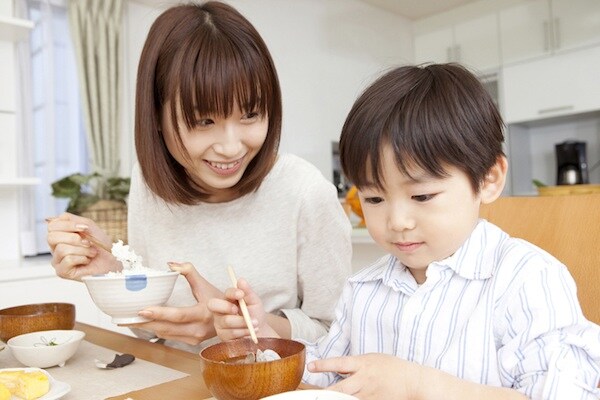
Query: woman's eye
[(423, 197), (251, 115), (204, 122), (373, 200)]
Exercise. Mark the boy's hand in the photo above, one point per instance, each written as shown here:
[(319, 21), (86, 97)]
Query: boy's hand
[(228, 320), (372, 376)]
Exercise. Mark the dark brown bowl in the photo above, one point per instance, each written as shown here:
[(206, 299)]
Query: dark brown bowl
[(228, 381), (18, 320)]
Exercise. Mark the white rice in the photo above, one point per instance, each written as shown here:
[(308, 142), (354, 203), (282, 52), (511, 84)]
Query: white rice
[(132, 263)]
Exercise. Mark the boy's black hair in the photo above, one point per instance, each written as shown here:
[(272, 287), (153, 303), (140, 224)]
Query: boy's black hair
[(434, 116)]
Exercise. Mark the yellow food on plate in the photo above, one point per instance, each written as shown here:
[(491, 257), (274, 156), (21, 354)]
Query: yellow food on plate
[(4, 393), (28, 385)]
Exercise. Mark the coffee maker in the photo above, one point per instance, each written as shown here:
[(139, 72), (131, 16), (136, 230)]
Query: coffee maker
[(571, 162)]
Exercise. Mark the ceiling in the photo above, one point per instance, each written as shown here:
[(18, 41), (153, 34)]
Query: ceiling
[(411, 9), (416, 9)]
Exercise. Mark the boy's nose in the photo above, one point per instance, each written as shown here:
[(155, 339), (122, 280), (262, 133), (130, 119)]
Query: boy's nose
[(229, 143), (400, 219)]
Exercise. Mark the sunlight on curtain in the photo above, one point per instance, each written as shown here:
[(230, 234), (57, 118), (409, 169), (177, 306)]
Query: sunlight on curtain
[(95, 27), (57, 143)]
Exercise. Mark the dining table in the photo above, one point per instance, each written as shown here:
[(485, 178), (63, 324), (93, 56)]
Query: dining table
[(191, 386)]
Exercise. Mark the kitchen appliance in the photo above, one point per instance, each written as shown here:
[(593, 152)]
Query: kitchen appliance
[(571, 162)]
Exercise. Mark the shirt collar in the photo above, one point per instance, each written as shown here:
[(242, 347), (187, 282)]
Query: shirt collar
[(473, 260)]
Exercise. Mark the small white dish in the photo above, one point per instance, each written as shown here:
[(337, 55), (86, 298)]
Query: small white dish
[(57, 388), (122, 296), (311, 394), (44, 349)]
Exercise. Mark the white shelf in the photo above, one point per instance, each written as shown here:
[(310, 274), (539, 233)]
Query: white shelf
[(14, 29), (16, 182)]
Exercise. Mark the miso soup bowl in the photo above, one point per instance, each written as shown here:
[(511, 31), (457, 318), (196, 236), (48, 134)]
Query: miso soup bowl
[(227, 380), (122, 296), (15, 321)]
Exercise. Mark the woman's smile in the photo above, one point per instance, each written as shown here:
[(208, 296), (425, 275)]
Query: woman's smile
[(225, 168)]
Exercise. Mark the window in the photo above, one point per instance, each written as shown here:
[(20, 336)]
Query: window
[(57, 133)]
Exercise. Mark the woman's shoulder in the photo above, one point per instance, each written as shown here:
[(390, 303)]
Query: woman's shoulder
[(295, 171)]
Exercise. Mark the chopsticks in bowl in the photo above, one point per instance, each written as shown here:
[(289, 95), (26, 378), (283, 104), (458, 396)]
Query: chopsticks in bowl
[(243, 307)]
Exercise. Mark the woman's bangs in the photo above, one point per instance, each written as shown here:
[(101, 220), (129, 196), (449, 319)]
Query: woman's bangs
[(220, 81)]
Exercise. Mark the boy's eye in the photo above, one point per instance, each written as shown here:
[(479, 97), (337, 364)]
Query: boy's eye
[(373, 200), (423, 197)]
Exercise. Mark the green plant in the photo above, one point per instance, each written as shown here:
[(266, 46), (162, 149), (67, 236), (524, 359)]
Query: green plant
[(86, 190), (538, 183)]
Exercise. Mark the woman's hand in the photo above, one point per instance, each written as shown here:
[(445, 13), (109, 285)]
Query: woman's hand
[(190, 325), (73, 256), (228, 320)]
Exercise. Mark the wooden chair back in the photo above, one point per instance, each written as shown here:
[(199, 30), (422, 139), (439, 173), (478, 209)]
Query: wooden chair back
[(568, 227)]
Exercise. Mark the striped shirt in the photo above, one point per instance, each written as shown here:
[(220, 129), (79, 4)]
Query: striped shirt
[(500, 311)]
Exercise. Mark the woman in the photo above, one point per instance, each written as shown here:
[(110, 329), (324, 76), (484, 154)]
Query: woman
[(210, 188)]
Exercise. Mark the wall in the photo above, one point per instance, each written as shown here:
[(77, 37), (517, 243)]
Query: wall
[(326, 52)]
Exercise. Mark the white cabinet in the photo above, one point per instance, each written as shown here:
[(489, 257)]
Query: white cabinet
[(534, 28), (11, 30), (472, 42), (561, 85)]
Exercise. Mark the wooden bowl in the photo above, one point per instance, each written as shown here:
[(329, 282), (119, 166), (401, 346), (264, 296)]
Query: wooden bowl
[(27, 318), (227, 381)]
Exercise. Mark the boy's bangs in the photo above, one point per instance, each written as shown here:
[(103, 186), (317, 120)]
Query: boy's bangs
[(213, 82)]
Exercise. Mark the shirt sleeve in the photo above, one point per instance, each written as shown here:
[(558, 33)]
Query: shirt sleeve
[(549, 350), (335, 344), (324, 254)]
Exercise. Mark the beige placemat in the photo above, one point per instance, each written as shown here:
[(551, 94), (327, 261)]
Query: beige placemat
[(91, 383)]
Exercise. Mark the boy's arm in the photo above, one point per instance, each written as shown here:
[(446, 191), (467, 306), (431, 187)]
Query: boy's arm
[(379, 376)]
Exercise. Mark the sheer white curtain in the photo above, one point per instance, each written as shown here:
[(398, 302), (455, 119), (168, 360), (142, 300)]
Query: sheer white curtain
[(95, 28), (53, 143)]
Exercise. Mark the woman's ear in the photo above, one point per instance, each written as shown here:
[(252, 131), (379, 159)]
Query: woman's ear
[(494, 181)]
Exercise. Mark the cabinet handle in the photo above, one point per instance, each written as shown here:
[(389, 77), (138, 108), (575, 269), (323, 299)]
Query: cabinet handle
[(555, 109), (556, 33), (546, 36), (457, 53)]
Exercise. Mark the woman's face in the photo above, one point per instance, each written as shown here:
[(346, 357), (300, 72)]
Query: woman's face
[(218, 149)]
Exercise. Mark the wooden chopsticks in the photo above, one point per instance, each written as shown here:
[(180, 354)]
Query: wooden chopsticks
[(88, 236), (243, 306)]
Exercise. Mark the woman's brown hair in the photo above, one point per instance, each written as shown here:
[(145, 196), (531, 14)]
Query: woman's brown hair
[(201, 59), (434, 116)]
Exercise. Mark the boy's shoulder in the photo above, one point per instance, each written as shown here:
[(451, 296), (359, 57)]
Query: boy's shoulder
[(513, 259)]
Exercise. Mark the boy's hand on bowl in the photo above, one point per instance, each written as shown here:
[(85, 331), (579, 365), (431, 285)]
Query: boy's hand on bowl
[(190, 325), (73, 256)]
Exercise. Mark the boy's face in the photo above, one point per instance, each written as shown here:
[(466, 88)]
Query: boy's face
[(420, 220)]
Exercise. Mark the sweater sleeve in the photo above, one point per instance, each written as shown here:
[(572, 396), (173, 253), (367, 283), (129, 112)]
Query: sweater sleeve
[(324, 254)]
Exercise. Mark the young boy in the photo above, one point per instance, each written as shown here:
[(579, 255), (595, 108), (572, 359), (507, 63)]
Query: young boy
[(458, 310)]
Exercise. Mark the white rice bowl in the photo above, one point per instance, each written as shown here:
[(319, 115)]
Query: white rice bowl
[(122, 295)]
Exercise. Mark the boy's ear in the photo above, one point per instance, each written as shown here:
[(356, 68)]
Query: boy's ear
[(494, 181)]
